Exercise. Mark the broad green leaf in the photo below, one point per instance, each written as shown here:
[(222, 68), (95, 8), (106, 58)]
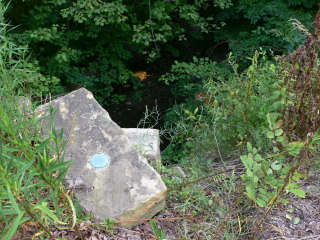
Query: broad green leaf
[(281, 139), (297, 176), (275, 149), (262, 191), (278, 124), (271, 117), (297, 191), (244, 160), (264, 197), (256, 167), (284, 201), (293, 185), (261, 202), (258, 158), (196, 111), (254, 150), (251, 197), (244, 177), (294, 148), (296, 220), (273, 198), (248, 161), (249, 147), (278, 132), (270, 135), (250, 190), (188, 112), (276, 165)]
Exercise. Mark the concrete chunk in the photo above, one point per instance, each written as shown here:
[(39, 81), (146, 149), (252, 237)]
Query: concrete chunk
[(110, 178), (147, 142)]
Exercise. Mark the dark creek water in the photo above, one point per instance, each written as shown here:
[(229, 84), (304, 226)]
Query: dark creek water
[(152, 94)]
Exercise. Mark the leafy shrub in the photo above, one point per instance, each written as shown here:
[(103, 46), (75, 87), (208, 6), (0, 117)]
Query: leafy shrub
[(187, 78), (273, 104), (17, 73), (268, 179), (252, 24), (233, 110)]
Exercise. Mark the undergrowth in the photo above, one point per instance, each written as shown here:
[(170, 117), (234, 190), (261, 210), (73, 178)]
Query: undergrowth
[(260, 129), (32, 166)]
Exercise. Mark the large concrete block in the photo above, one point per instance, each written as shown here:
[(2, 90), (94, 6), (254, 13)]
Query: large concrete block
[(111, 179), (147, 142)]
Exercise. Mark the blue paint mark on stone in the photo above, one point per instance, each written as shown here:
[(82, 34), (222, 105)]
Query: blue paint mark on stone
[(99, 160)]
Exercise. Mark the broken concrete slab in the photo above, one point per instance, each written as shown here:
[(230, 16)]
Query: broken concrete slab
[(110, 178), (178, 170), (147, 142), (25, 104)]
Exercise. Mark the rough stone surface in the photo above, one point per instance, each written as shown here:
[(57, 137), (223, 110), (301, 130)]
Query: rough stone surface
[(129, 188), (147, 142), (179, 171), (25, 105)]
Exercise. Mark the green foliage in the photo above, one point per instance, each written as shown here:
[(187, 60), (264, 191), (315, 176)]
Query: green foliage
[(32, 169), (209, 200), (247, 108), (238, 105), (180, 131), (187, 78), (157, 231), (32, 166), (259, 23), (267, 177), (232, 111), (160, 235), (17, 72), (109, 223), (92, 44)]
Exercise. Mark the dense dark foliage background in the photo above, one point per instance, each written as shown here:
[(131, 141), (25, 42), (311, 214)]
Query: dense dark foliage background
[(98, 44)]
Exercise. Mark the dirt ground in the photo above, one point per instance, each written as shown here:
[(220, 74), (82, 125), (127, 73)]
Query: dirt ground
[(299, 220)]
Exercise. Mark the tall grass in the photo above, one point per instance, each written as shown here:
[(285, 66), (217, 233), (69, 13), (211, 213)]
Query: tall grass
[(31, 165)]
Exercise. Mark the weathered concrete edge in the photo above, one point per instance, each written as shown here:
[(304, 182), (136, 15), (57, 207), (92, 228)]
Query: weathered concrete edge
[(153, 157), (157, 203)]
